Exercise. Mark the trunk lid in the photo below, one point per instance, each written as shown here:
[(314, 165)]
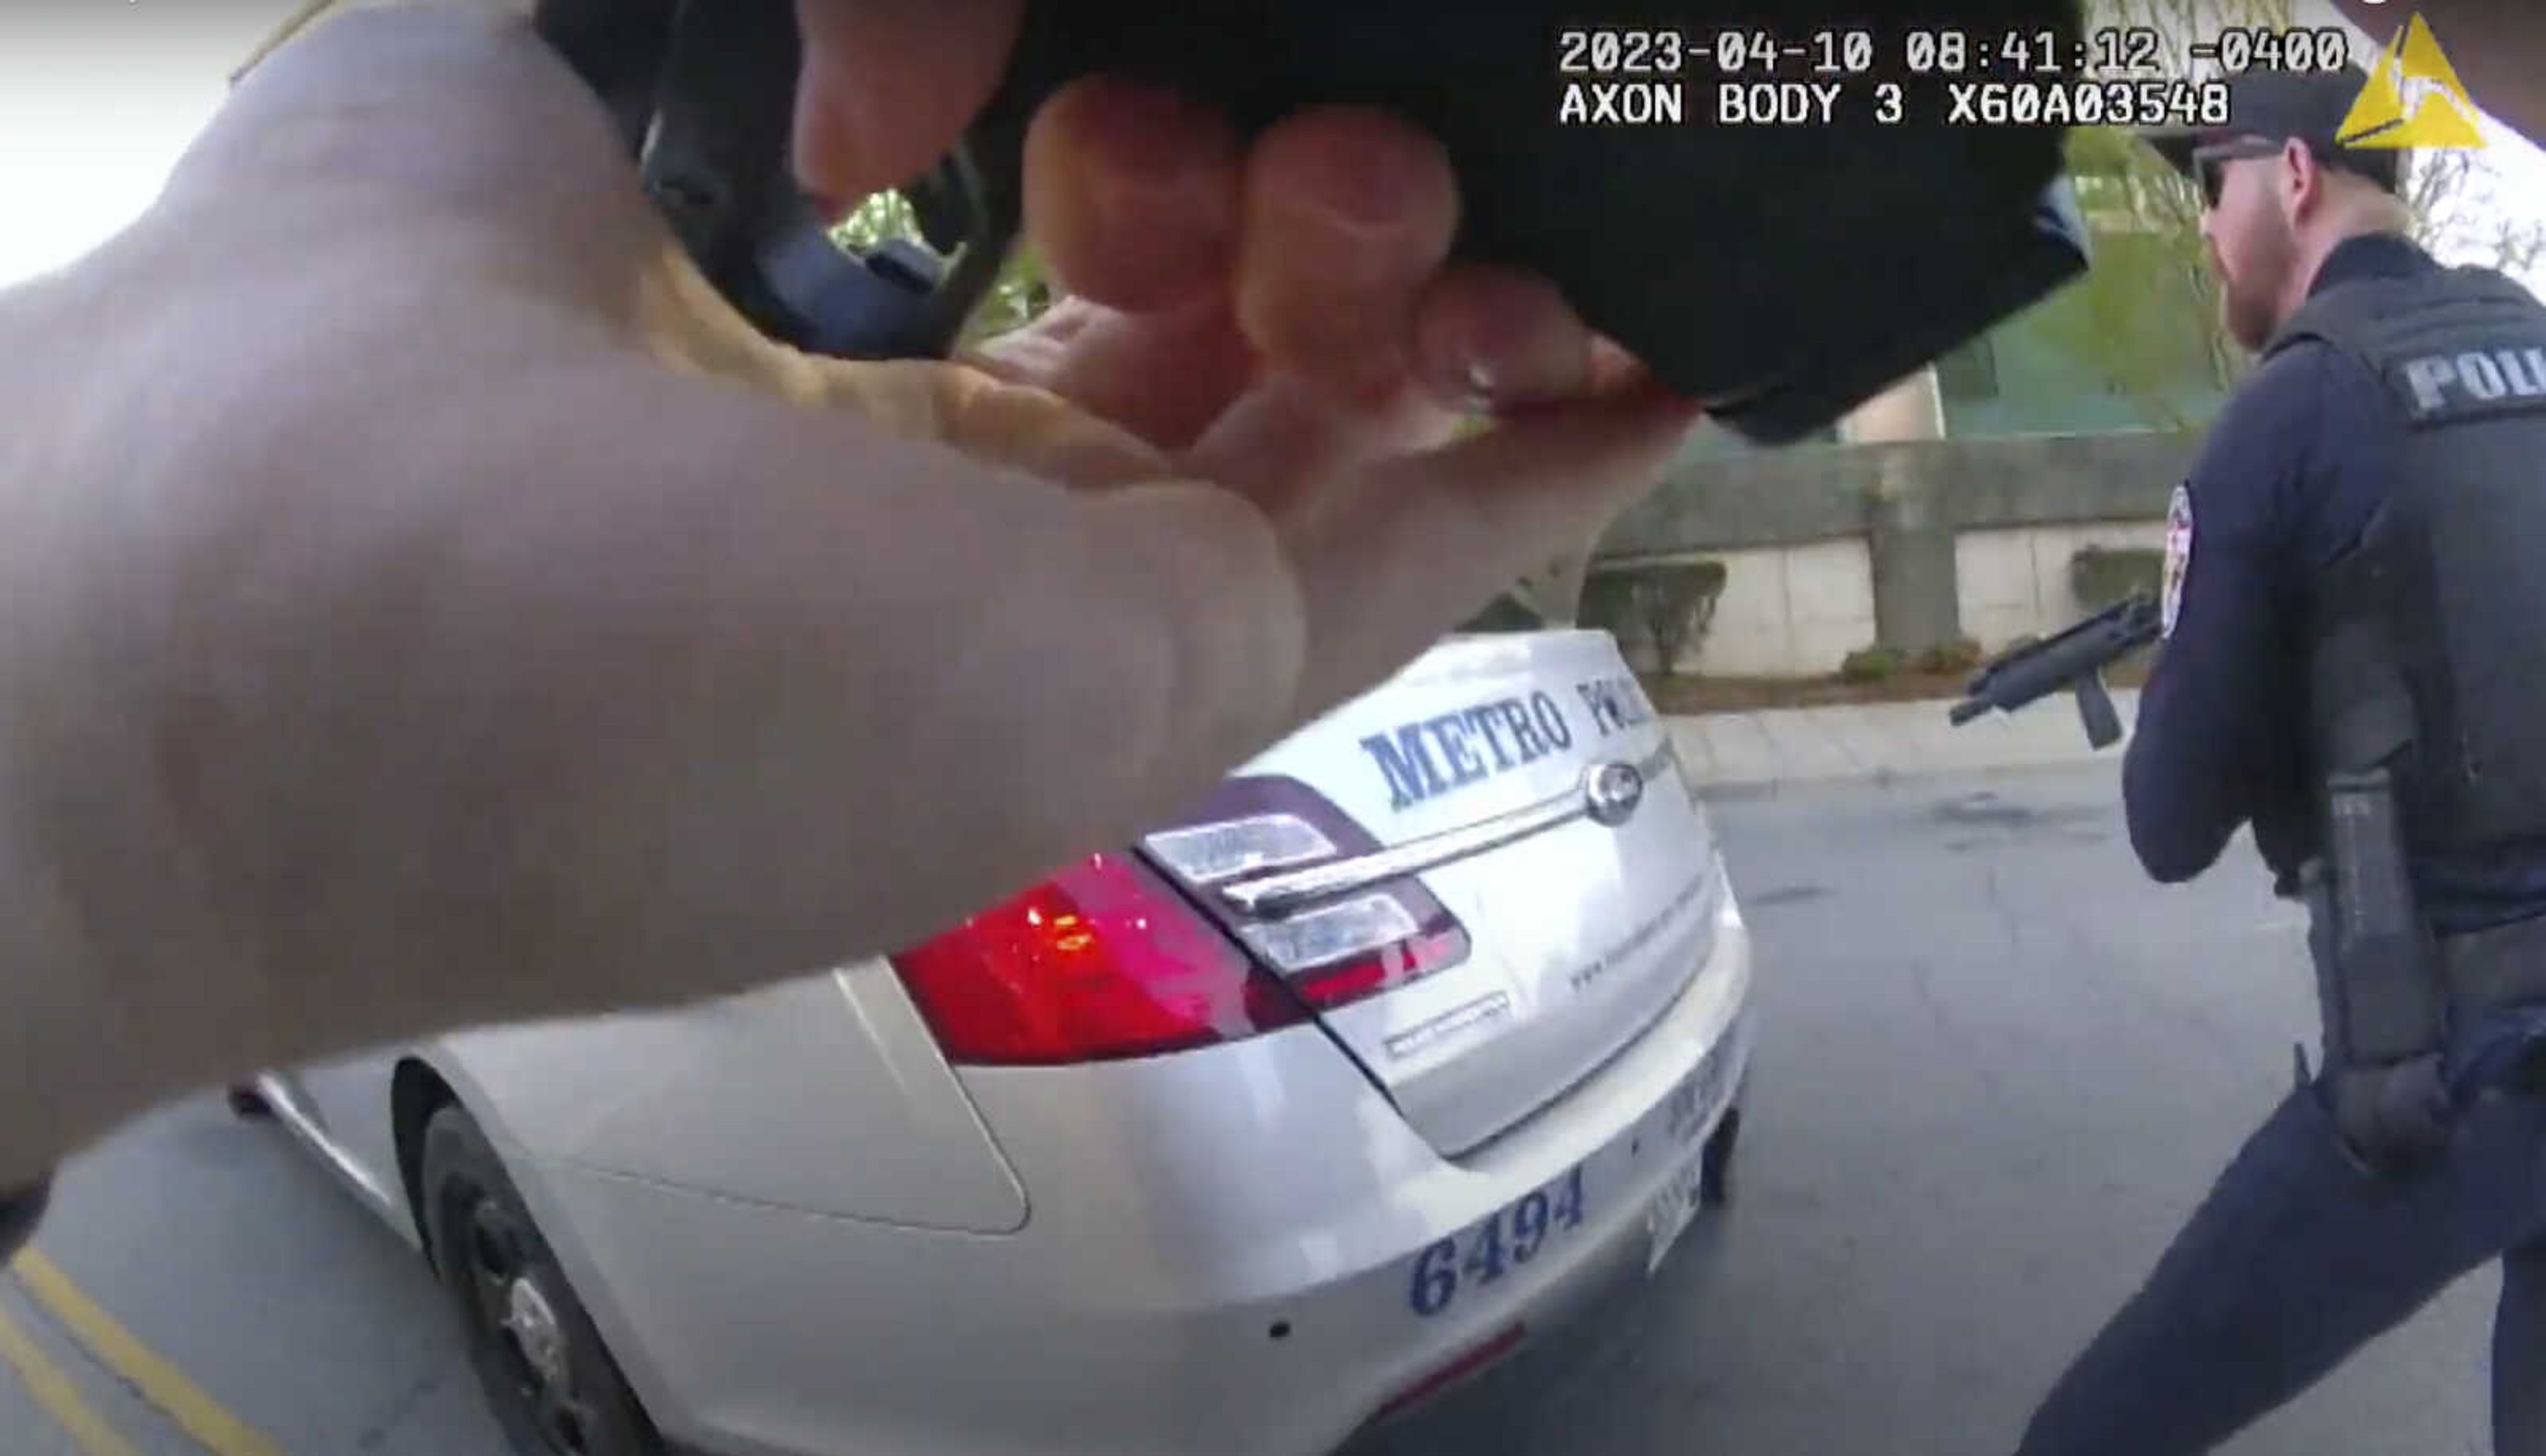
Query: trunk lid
[(1523, 786)]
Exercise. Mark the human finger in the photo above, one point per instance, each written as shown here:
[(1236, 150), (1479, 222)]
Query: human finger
[(1163, 376), (1415, 543), (993, 420), (1489, 336), (1287, 441), (1348, 211), (993, 403), (887, 87), (1613, 369), (1132, 193)]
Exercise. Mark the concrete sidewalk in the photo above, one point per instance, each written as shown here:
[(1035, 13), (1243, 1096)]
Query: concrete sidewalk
[(1750, 754)]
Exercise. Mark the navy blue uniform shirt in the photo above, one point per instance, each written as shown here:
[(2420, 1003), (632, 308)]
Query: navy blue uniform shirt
[(2288, 479)]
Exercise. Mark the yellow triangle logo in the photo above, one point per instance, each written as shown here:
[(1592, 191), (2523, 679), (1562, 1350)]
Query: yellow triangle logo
[(2413, 99)]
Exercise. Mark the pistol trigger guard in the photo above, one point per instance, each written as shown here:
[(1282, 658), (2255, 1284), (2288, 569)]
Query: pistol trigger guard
[(946, 202), (970, 206), (968, 209), (702, 92)]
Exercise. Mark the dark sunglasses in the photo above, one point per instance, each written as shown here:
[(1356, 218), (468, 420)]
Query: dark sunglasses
[(2209, 163)]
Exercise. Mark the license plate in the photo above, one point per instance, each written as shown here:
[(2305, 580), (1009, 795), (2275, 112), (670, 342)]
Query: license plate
[(1691, 1107), (1671, 1212), (1687, 1114)]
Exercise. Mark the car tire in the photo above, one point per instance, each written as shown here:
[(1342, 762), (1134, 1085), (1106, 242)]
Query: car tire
[(546, 1373)]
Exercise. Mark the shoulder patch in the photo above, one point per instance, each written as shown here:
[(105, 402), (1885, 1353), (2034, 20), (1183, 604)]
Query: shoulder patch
[(2178, 558)]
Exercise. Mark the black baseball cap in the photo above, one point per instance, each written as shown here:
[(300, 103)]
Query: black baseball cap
[(2286, 105)]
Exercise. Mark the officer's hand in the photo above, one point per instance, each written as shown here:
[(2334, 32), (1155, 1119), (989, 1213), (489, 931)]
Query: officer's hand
[(1318, 251), (2499, 50), (421, 603)]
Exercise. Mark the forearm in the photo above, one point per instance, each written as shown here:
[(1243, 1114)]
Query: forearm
[(70, 1065), (70, 1073), (397, 633), (2176, 836), (330, 739), (688, 737)]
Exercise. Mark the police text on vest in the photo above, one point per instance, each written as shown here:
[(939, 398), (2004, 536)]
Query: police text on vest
[(2451, 383)]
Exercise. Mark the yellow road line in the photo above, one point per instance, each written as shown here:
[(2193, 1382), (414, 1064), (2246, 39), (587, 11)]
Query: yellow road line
[(58, 1392), (161, 1383)]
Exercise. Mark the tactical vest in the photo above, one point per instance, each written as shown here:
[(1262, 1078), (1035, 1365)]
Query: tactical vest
[(2427, 679), (2430, 640)]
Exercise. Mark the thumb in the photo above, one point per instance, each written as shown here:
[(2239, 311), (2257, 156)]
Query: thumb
[(888, 86), (1407, 548)]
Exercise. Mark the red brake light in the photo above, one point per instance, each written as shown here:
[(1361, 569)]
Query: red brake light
[(1102, 961), (1386, 969)]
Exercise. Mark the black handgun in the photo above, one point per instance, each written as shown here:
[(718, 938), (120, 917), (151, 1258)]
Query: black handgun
[(2074, 659), (1780, 274)]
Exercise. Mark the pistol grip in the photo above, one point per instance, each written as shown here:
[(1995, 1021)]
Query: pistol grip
[(2096, 708)]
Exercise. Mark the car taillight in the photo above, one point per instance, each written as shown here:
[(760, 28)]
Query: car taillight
[(1331, 954), (1108, 960), (1100, 962)]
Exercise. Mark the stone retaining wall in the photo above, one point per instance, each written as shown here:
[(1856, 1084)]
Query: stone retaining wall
[(1833, 547)]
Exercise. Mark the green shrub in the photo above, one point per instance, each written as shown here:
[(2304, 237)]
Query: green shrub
[(1870, 664), (1669, 606), (1608, 603), (1962, 655)]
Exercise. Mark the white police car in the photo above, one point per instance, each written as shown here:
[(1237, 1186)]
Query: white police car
[(1417, 1042)]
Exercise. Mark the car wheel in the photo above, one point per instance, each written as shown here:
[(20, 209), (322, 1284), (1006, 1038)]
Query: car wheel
[(553, 1384)]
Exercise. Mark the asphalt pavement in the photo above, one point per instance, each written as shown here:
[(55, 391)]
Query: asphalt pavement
[(1997, 1068)]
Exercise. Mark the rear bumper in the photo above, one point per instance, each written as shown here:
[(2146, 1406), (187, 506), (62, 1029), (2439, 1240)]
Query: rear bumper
[(1573, 1354), (1225, 1252), (1574, 1351)]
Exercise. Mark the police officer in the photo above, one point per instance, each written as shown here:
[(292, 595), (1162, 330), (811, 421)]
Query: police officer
[(2355, 667)]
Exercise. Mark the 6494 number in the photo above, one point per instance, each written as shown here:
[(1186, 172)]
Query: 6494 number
[(1484, 1253)]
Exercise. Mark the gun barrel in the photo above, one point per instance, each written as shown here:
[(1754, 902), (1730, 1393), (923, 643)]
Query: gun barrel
[(2039, 677), (2037, 671)]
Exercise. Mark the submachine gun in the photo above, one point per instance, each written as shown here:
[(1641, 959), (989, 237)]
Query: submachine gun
[(2074, 659)]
